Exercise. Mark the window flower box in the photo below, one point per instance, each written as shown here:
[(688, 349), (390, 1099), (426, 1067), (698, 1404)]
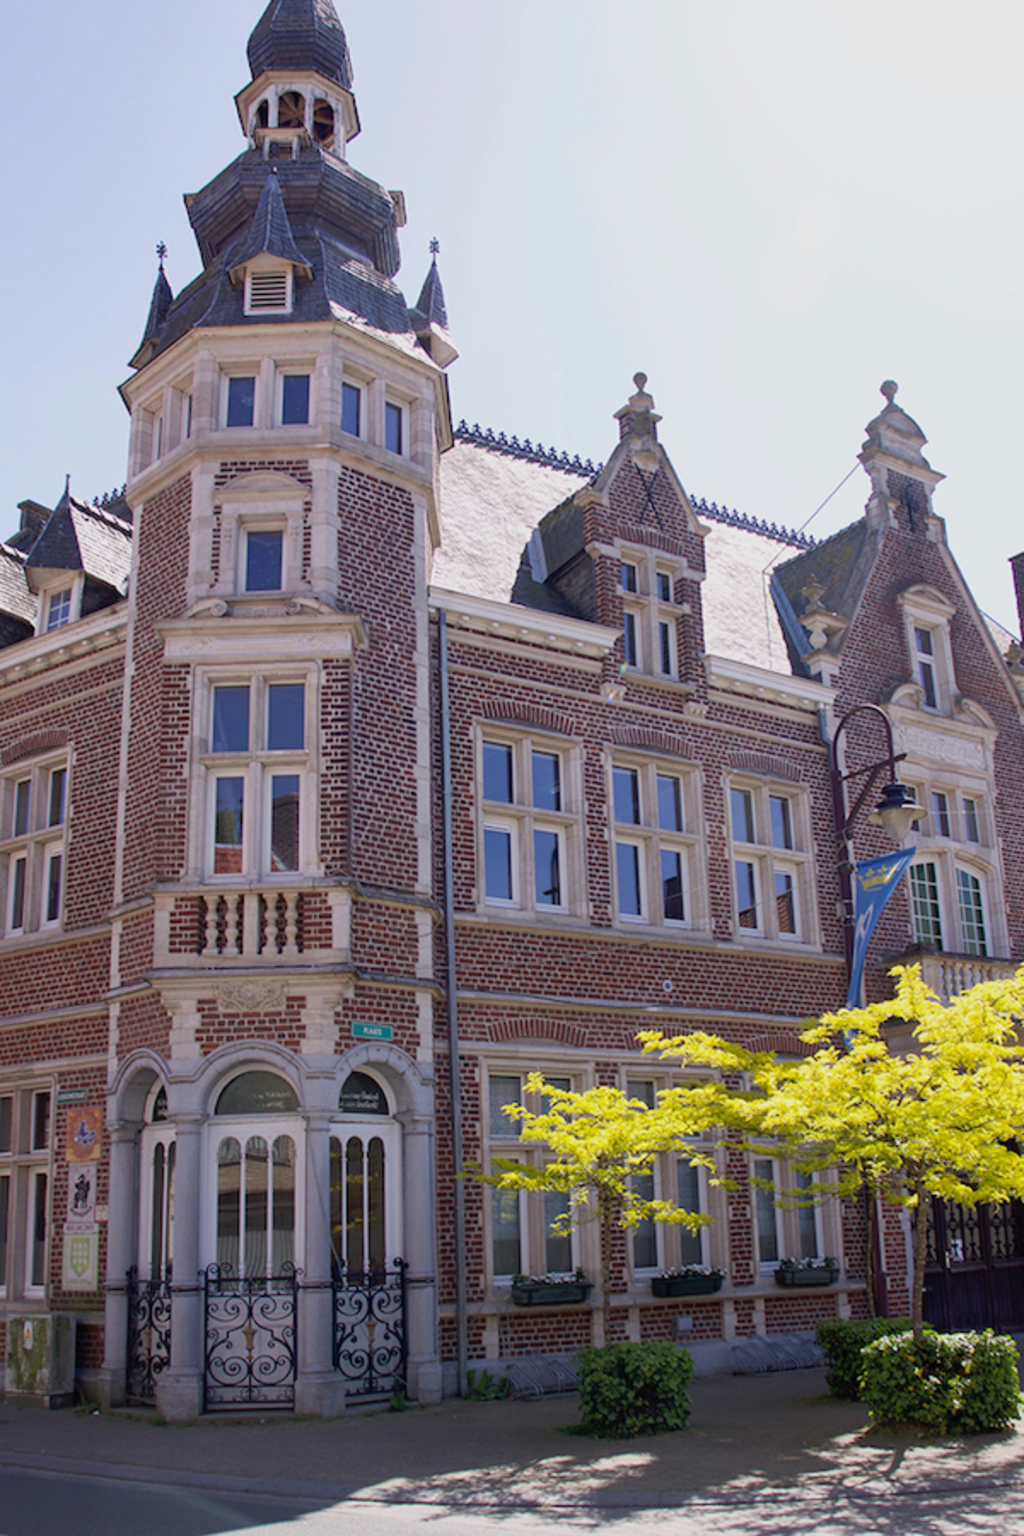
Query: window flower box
[(693, 1281), (550, 1290), (807, 1272)]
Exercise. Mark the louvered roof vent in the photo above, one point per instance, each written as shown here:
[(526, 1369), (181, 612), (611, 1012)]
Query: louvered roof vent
[(268, 292)]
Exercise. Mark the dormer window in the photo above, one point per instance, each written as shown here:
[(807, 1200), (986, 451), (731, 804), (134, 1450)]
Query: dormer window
[(924, 665), (58, 608), (926, 617), (59, 605), (268, 292)]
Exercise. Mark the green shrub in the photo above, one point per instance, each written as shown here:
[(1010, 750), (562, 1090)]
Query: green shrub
[(953, 1383), (634, 1389), (843, 1341)]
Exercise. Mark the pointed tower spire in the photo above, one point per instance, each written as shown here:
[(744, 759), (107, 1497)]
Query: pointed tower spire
[(430, 316), (161, 301), (57, 547), (270, 233), (430, 303)]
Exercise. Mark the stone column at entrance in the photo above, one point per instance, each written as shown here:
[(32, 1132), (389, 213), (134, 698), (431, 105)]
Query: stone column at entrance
[(179, 1392), (319, 1388), (122, 1205), (421, 1256)]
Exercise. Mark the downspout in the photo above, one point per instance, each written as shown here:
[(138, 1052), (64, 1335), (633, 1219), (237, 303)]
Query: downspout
[(454, 1064)]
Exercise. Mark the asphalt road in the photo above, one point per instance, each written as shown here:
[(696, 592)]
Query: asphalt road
[(47, 1504)]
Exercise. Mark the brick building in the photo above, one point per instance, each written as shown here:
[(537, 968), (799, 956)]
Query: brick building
[(345, 746)]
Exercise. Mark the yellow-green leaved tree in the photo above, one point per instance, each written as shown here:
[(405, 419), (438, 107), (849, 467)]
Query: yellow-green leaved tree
[(595, 1142), (943, 1119)]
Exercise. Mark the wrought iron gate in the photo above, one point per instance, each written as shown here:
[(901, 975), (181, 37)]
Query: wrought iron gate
[(974, 1273), (149, 1335), (251, 1339), (370, 1347)]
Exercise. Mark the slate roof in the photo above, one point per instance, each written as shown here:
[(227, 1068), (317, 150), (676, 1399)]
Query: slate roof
[(76, 536), (16, 600), (493, 499), (430, 303), (57, 547), (301, 34), (270, 233), (160, 303), (314, 211)]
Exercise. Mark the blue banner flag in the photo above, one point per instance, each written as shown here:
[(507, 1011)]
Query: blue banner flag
[(873, 883)]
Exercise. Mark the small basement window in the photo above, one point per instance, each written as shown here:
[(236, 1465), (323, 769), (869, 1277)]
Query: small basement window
[(268, 292)]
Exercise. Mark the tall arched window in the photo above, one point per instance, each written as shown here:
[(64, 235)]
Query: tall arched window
[(158, 1156), (256, 1176), (365, 1220)]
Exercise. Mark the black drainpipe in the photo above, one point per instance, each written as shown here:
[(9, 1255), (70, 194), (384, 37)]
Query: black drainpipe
[(454, 1066)]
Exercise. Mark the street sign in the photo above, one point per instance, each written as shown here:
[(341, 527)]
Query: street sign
[(373, 1031)]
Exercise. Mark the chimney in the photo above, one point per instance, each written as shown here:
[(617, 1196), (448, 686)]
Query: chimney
[(1017, 567)]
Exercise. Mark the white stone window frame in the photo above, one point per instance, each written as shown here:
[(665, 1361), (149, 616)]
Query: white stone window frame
[(267, 266), (768, 860), (248, 369), (649, 838), (70, 582), (713, 1238), (261, 523), (924, 608), (38, 845), (241, 1128), (650, 612), (256, 767), (388, 1128), (363, 382), (21, 1165), (825, 1211), (532, 1224), (947, 854), (303, 367), (403, 405), (520, 819), (155, 1134), (946, 861), (259, 501)]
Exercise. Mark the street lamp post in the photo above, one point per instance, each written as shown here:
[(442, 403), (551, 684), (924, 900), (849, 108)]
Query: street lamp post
[(897, 811)]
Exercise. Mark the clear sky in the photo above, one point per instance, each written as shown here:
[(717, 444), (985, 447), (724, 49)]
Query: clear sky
[(767, 207)]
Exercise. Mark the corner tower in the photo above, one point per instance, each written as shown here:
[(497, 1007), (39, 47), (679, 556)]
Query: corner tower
[(272, 906)]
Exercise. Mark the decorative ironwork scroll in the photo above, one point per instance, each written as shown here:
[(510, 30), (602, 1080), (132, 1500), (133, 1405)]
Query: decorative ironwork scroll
[(251, 1339), (149, 1335), (370, 1347)]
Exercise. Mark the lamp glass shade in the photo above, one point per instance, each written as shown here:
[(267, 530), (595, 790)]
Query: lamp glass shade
[(897, 811)]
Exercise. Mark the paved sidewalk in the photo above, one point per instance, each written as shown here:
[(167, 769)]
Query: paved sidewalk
[(749, 1438)]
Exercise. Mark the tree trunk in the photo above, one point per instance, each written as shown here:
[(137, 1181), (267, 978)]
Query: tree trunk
[(871, 1266), (920, 1255), (605, 1218)]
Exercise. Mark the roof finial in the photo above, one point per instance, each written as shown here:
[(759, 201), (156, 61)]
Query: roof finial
[(889, 389), (640, 380), (435, 248), (161, 251)]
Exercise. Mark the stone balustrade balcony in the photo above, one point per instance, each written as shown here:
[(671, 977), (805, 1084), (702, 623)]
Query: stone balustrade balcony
[(238, 925)]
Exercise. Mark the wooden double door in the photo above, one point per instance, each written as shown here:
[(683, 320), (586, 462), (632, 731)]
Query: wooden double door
[(974, 1275)]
